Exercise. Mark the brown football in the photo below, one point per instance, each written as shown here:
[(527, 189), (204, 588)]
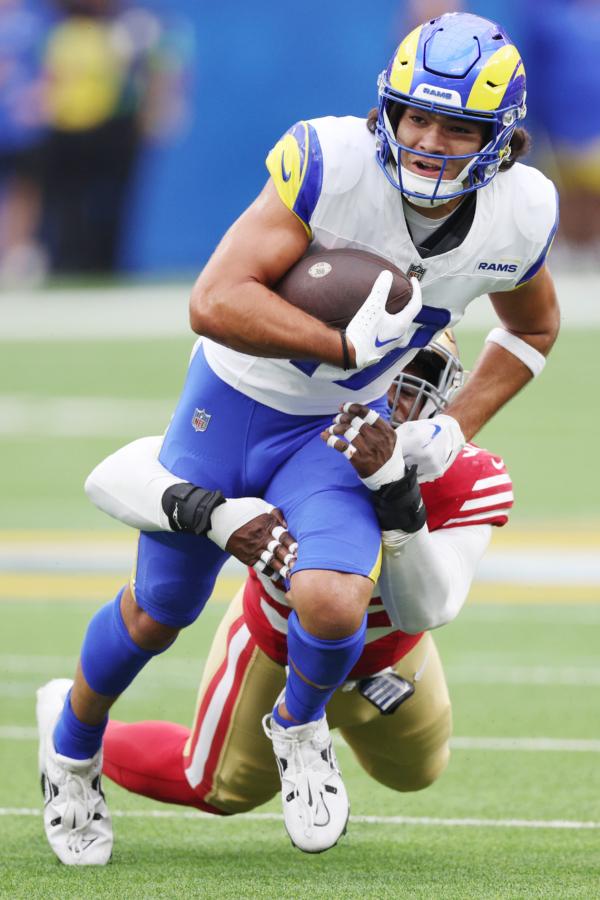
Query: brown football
[(332, 285)]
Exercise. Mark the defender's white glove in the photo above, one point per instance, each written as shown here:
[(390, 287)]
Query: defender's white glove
[(431, 445), (374, 332)]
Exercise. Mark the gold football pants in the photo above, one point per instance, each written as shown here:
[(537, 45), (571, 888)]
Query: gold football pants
[(229, 761)]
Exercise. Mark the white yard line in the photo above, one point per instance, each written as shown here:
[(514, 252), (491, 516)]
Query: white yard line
[(142, 311), (84, 416), (538, 744), (20, 671), (31, 664), (532, 566), (120, 313), (20, 812), (18, 733), (579, 676), (537, 566), (17, 671)]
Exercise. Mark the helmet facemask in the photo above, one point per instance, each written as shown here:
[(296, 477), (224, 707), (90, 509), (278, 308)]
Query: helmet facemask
[(442, 376), (478, 169)]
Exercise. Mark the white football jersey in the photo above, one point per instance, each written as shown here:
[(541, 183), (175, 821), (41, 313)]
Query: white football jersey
[(326, 172)]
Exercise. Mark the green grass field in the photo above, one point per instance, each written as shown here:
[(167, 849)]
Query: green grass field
[(516, 815), (514, 672), (63, 393)]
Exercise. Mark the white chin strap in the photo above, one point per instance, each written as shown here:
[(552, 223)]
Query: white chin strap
[(421, 184)]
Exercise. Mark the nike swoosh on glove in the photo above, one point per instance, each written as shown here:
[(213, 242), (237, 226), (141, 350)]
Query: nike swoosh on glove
[(431, 445), (372, 331)]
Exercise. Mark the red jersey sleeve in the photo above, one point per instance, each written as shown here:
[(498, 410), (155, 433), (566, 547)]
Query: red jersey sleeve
[(476, 490)]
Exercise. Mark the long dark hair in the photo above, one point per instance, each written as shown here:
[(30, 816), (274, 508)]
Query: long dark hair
[(520, 142)]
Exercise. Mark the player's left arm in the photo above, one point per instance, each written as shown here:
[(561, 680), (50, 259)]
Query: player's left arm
[(513, 354), (131, 485), (426, 580), (425, 577)]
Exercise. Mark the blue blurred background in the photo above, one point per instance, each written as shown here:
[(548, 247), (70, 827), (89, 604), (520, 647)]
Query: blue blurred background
[(132, 134)]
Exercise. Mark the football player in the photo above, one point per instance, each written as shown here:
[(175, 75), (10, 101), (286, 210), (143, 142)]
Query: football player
[(224, 765), (429, 181)]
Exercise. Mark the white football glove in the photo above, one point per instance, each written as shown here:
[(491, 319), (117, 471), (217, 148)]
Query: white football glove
[(374, 332), (431, 445)]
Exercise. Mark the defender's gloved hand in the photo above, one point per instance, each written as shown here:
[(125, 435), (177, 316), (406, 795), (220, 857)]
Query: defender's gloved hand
[(255, 532), (369, 442), (431, 445), (375, 450), (372, 331), (248, 528)]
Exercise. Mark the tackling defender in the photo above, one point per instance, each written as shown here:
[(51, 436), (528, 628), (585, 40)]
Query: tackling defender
[(418, 184), (224, 765)]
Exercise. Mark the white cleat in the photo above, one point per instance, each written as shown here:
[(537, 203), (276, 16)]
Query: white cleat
[(315, 802), (76, 819)]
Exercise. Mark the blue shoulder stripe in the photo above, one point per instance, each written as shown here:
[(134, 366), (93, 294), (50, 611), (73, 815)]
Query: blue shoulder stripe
[(312, 170)]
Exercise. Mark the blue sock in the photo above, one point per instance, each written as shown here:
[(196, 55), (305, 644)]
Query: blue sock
[(324, 663), (75, 739), (110, 660)]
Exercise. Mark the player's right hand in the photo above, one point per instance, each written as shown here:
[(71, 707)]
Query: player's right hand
[(255, 532), (369, 442), (373, 332)]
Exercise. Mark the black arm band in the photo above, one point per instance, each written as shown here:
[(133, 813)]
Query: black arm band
[(399, 506), (345, 351), (189, 508)]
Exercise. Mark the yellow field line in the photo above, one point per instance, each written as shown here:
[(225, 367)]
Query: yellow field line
[(580, 536), (59, 536), (50, 586), (98, 587), (517, 538), (515, 593)]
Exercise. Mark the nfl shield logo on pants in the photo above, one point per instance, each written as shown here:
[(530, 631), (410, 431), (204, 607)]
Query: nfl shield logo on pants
[(200, 420)]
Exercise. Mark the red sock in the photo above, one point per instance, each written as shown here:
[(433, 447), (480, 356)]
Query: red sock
[(147, 758)]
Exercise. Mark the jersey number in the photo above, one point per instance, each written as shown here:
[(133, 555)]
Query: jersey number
[(430, 320)]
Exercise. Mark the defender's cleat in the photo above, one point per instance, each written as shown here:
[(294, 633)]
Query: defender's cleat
[(315, 802), (76, 819)]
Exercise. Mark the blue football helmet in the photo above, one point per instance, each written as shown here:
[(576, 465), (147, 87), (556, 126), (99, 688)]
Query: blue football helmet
[(457, 65)]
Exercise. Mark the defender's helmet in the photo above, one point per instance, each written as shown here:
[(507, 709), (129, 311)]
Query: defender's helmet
[(457, 65), (442, 374)]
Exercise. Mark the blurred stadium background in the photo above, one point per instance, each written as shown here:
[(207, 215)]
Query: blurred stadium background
[(93, 351)]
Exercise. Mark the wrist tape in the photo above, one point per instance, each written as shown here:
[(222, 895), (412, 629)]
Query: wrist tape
[(399, 506), (189, 508)]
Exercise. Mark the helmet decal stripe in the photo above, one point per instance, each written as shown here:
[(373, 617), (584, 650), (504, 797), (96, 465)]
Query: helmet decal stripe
[(492, 81), (403, 64)]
